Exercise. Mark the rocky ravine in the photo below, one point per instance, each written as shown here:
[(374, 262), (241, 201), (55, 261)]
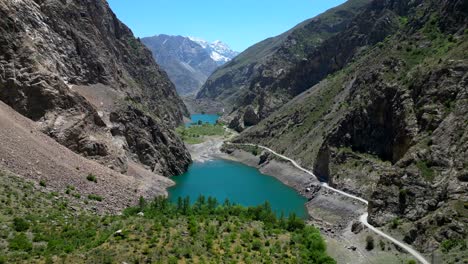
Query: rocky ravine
[(390, 127), (76, 70)]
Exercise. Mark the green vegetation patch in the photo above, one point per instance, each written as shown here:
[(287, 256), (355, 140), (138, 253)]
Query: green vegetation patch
[(41, 228), (95, 197), (426, 171), (91, 177), (195, 134), (448, 245)]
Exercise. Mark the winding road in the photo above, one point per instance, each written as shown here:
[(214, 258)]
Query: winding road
[(362, 218)]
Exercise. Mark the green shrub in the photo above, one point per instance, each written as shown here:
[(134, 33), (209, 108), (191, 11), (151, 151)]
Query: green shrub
[(382, 245), (256, 245), (295, 223), (95, 197), (448, 245), (395, 223), (91, 177), (369, 243), (403, 21), (411, 261), (42, 183), (20, 225), (255, 151), (426, 171), (20, 243)]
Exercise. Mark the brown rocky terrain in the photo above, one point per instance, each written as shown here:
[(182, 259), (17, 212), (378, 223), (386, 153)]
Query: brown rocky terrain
[(77, 71), (391, 125), (31, 154)]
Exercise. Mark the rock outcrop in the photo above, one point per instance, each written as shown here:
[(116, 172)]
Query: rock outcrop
[(391, 125), (72, 65)]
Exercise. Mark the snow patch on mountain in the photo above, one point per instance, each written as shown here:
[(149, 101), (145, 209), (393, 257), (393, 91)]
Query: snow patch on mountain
[(218, 57), (219, 51)]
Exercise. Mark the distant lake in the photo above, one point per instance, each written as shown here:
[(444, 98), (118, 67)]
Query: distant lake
[(239, 183), (204, 118)]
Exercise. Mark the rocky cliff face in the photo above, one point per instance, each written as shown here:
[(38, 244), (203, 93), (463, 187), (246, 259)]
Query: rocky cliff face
[(73, 67), (391, 125), (188, 61), (272, 72)]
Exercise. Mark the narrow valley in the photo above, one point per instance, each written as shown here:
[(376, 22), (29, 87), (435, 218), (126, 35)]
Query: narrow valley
[(337, 134)]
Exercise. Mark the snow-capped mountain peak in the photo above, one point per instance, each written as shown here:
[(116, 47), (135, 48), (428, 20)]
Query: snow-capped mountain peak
[(219, 51), (200, 41)]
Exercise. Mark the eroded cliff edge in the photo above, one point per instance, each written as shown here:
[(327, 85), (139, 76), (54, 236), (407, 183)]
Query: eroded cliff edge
[(79, 72)]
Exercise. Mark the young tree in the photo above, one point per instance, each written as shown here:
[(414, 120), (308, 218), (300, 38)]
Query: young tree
[(369, 243)]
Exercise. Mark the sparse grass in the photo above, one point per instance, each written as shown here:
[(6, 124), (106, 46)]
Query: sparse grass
[(20, 242), (92, 178), (95, 197), (426, 171)]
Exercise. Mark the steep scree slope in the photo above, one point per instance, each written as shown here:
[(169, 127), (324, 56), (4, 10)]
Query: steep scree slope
[(391, 126), (31, 154), (73, 67)]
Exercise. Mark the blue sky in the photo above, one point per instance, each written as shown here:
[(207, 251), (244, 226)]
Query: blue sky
[(239, 23)]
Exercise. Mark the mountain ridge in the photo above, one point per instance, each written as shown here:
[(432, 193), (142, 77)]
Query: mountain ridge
[(389, 125), (252, 85), (188, 60)]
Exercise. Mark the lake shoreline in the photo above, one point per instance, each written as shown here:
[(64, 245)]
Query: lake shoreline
[(209, 151), (333, 214), (212, 149)]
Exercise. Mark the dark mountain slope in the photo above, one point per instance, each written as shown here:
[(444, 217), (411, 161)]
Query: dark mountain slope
[(258, 80), (76, 69), (391, 126)]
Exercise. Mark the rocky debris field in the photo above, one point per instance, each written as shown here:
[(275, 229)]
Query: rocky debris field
[(31, 154)]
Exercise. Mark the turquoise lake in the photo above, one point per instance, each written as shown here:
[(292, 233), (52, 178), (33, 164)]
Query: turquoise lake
[(205, 118), (240, 184)]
